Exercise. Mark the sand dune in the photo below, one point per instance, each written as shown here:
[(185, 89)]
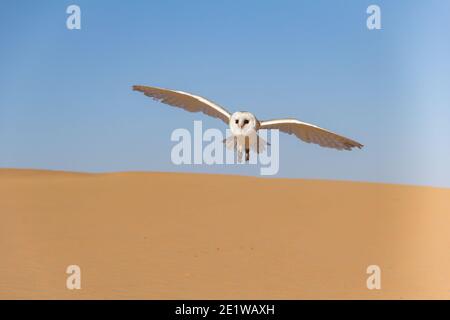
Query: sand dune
[(189, 236)]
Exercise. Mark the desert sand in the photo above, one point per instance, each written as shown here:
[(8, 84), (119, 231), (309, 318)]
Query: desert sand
[(193, 236)]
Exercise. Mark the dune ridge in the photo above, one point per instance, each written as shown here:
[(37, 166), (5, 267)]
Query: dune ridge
[(202, 236)]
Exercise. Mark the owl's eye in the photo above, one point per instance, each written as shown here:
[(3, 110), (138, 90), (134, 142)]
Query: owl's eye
[(246, 121), (236, 121)]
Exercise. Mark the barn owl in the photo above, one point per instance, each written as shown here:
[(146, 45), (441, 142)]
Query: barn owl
[(244, 125)]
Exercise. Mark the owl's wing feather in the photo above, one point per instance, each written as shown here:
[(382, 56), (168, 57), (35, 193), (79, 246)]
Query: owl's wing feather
[(186, 101), (311, 133)]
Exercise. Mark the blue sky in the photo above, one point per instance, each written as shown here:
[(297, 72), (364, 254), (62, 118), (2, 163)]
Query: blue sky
[(66, 103)]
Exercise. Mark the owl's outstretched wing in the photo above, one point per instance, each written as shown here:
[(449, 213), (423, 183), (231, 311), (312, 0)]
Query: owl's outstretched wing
[(186, 101), (311, 133)]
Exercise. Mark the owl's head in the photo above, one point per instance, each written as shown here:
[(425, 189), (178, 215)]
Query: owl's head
[(242, 123)]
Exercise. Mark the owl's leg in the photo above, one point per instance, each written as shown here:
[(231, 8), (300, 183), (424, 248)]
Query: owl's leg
[(239, 155), (257, 144), (247, 148)]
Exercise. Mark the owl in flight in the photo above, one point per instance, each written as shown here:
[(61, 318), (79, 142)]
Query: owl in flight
[(244, 125)]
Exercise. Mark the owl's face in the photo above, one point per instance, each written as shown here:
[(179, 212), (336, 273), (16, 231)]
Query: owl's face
[(242, 123)]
